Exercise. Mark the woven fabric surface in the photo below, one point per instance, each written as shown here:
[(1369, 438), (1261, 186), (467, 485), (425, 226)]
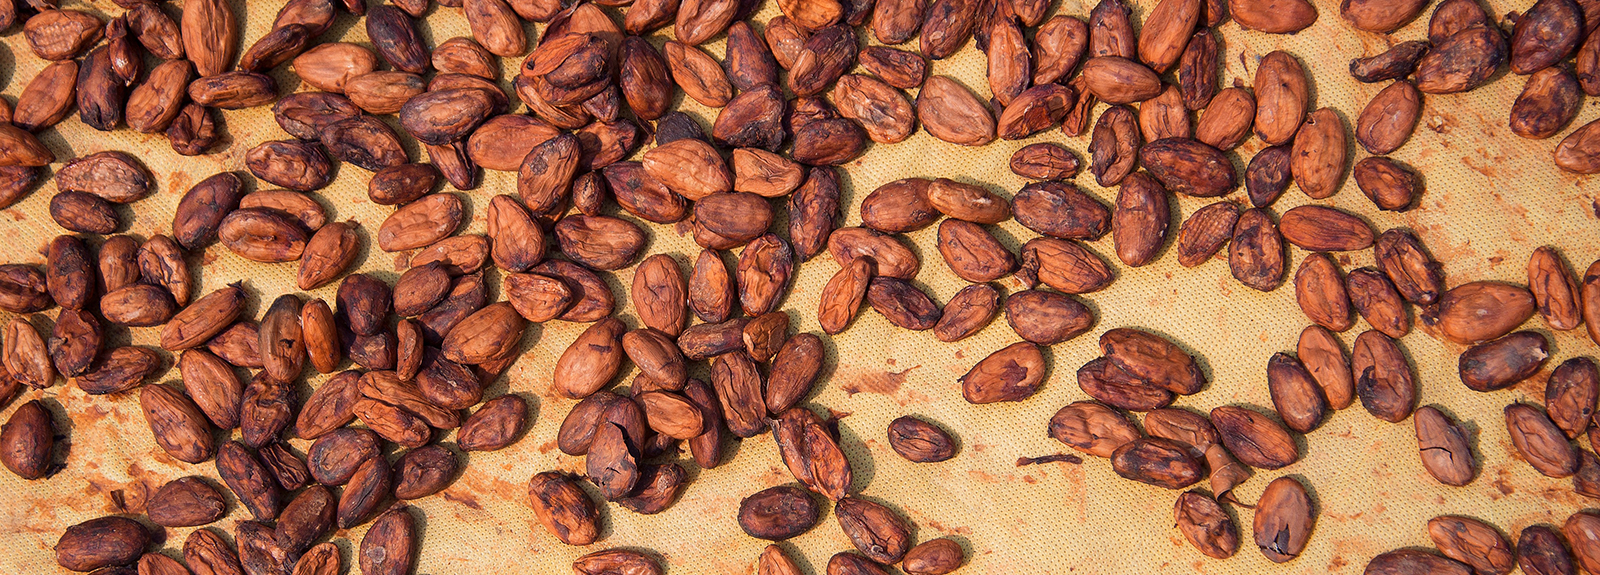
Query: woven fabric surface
[(1491, 198)]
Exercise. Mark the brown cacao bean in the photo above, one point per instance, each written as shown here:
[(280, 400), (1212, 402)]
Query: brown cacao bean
[(1285, 517), (1013, 373), (1256, 439), (1503, 362), (1092, 428), (1443, 446)]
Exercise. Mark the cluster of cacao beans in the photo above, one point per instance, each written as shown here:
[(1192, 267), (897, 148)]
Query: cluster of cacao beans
[(449, 342), (1471, 546), (1181, 447), (596, 92)]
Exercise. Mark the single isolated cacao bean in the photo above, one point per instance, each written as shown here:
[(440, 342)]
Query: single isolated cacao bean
[(616, 561), (876, 531), (1399, 61), (1282, 94), (27, 440), (1114, 146), (1152, 358), (210, 36), (1157, 461), (1324, 357), (1541, 551), (118, 370), (1284, 519), (1061, 210), (1414, 561), (1063, 265), (249, 480), (1320, 291), (1380, 17), (1462, 61), (1189, 167), (934, 557), (1318, 155), (1226, 472), (1276, 17), (1206, 525), (1580, 531), (1390, 185), (1324, 229), (1268, 175), (1046, 318), (1197, 72), (812, 454), (1475, 312), (1256, 252), (1570, 393), (949, 112), (1139, 223), (778, 513), (424, 471), (1106, 382), (1444, 448), (1545, 34), (1383, 377), (1388, 120), (1227, 119), (74, 342), (903, 304), (1472, 542), (1092, 428), (102, 542), (1554, 289), (1044, 161), (1540, 442), (211, 383), (919, 441), (1548, 103), (738, 385), (1256, 439), (1503, 362), (205, 553), (1296, 396), (389, 547)]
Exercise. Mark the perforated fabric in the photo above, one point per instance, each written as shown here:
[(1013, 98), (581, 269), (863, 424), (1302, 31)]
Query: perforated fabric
[(1491, 198)]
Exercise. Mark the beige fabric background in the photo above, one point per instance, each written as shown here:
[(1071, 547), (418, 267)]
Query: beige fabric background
[(1491, 199)]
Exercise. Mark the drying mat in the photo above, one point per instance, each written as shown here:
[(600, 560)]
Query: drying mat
[(1491, 199)]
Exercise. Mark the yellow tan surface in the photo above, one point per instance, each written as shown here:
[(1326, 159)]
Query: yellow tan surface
[(1491, 199)]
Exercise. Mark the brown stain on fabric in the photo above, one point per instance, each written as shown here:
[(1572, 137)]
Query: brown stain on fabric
[(946, 529), (178, 182), (985, 477), (1502, 483), (492, 487), (880, 382), (463, 498), (774, 476)]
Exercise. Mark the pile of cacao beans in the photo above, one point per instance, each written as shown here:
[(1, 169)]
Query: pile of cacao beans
[(793, 105)]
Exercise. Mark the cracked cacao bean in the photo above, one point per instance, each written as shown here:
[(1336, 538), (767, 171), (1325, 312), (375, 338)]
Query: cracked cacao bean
[(1442, 444)]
